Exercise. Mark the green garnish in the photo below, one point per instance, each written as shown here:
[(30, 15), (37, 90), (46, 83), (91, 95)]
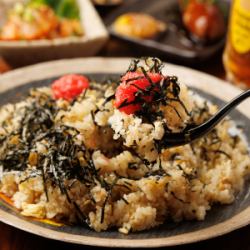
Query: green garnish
[(63, 8)]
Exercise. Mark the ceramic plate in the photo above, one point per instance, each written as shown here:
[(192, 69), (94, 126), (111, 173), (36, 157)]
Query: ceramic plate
[(220, 220)]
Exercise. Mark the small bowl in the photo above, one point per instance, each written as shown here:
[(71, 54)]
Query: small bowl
[(19, 53)]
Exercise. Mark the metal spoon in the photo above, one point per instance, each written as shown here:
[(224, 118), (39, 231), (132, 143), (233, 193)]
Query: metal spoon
[(177, 139)]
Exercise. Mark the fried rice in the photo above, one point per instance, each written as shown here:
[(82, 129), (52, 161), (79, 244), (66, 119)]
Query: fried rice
[(87, 162)]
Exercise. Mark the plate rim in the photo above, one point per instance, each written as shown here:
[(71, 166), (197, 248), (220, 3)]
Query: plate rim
[(216, 87), (191, 237)]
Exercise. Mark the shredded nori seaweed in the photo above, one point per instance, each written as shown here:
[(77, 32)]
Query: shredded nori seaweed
[(60, 165)]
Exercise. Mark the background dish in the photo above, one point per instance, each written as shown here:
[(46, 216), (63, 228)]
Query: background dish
[(174, 43), (42, 50), (220, 220)]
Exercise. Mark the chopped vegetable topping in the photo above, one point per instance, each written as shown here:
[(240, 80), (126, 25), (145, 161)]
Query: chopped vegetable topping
[(40, 19), (133, 83), (69, 87)]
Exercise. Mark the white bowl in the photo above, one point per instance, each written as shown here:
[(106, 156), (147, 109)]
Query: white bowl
[(19, 53)]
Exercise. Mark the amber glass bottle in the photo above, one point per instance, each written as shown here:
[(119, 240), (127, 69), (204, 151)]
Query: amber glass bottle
[(236, 56)]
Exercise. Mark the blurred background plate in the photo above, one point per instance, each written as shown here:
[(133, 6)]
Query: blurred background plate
[(19, 53), (174, 43)]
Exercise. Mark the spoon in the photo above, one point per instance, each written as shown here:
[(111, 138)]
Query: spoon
[(190, 135)]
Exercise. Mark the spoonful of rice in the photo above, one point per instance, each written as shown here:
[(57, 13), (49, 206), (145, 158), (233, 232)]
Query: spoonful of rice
[(146, 93)]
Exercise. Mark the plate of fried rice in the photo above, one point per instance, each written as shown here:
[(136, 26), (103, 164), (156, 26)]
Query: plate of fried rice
[(83, 157)]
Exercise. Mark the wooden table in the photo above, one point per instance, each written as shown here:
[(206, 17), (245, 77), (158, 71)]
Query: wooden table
[(14, 239)]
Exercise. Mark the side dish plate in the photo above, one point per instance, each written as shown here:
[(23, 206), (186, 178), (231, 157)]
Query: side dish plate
[(220, 220), (43, 50), (173, 43)]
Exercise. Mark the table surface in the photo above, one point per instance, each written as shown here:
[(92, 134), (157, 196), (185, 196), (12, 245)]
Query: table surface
[(14, 239)]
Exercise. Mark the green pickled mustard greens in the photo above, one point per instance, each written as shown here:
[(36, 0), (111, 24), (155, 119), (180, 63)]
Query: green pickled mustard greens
[(63, 8)]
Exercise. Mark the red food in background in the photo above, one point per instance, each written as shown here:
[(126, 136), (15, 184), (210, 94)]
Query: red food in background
[(131, 84), (69, 87), (204, 20), (4, 67)]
